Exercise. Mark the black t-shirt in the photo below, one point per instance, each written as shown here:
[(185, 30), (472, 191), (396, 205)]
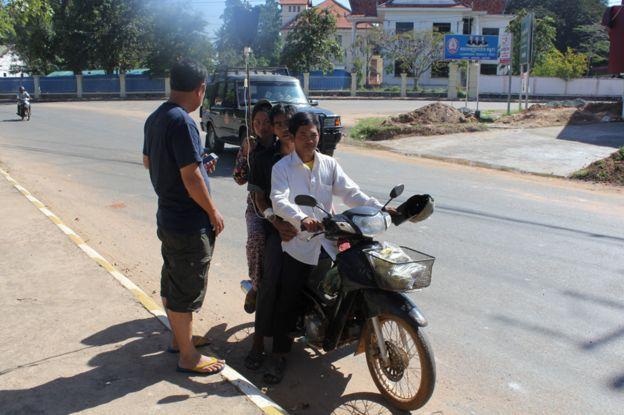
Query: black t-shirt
[(260, 174), (171, 142)]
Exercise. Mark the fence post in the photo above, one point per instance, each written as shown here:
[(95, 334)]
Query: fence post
[(122, 84), (403, 84), (453, 79), (353, 83), (306, 83), (37, 86), (79, 86), (167, 87)]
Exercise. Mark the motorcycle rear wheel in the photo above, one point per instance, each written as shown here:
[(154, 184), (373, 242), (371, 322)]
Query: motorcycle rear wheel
[(408, 380)]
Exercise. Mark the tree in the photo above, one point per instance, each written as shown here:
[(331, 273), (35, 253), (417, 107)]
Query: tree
[(239, 29), (268, 44), (311, 43), (32, 33), (414, 53), (543, 38), (367, 44), (568, 16), (566, 65), (6, 26), (595, 44), (174, 31)]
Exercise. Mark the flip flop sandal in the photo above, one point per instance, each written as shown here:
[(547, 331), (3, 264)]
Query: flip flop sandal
[(250, 302), (198, 341), (275, 374), (198, 370), (254, 360)]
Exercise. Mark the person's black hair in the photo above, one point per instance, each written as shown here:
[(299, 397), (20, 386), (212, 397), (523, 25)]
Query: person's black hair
[(301, 119), (281, 109), (186, 75), (261, 106)]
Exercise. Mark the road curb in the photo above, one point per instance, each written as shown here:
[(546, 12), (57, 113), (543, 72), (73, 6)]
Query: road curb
[(248, 389), (465, 162)]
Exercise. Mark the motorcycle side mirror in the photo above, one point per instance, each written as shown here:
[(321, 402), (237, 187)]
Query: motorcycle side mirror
[(305, 200), (397, 191)]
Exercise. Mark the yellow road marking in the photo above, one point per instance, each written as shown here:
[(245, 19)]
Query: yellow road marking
[(239, 381)]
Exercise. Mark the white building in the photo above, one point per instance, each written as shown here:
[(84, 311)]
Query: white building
[(482, 17), (9, 61)]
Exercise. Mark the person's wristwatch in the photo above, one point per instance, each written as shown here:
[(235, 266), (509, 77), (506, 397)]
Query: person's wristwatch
[(269, 214)]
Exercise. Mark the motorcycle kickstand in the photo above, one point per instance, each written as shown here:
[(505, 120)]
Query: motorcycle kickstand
[(381, 343)]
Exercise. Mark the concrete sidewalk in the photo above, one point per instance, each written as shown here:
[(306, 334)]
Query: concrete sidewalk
[(74, 340), (557, 151)]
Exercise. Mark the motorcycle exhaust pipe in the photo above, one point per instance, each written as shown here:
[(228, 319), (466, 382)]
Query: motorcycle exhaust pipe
[(246, 286)]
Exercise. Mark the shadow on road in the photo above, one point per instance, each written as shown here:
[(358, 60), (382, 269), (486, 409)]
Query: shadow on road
[(584, 345), (365, 403), (312, 383), (603, 134), (133, 361), (12, 120)]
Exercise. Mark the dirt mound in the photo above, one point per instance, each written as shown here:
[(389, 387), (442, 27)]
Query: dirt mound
[(436, 113), (609, 170), (543, 115)]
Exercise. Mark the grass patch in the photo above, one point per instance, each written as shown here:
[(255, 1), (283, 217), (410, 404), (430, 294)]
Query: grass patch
[(369, 128)]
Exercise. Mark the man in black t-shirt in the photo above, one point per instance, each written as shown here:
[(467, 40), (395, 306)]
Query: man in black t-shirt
[(187, 218)]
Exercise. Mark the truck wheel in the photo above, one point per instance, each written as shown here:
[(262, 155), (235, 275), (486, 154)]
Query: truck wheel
[(212, 142)]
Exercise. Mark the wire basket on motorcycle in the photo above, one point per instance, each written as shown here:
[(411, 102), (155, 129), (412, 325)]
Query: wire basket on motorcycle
[(399, 268)]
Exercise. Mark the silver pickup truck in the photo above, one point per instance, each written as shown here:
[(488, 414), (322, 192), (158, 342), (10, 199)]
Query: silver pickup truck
[(223, 111)]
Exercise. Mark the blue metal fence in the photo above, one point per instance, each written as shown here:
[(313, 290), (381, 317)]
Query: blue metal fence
[(11, 85), (333, 82), (100, 84), (138, 83), (57, 85)]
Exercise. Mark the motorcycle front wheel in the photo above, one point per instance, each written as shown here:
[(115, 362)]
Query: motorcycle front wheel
[(407, 378)]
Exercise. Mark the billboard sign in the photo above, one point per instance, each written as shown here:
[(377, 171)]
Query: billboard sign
[(505, 44), (526, 38), (470, 47)]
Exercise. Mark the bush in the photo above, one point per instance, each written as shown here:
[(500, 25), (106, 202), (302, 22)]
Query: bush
[(566, 65)]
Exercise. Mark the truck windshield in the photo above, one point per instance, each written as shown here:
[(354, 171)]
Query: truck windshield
[(285, 92)]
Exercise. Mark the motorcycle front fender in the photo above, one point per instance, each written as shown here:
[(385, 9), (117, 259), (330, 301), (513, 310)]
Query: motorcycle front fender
[(380, 302)]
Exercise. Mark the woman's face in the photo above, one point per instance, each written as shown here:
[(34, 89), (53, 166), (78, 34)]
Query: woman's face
[(262, 125), (306, 139)]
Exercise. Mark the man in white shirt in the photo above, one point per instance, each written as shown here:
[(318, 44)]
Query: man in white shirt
[(304, 172)]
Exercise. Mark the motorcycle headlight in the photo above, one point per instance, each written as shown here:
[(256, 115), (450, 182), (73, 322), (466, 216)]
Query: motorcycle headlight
[(372, 225)]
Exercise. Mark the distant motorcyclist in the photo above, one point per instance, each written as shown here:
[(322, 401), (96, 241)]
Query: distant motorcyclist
[(23, 99)]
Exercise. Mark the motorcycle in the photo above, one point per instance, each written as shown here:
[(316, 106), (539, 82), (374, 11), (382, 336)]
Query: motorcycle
[(23, 109), (362, 298)]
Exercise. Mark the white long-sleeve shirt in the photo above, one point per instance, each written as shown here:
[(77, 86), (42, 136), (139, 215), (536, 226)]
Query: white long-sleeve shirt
[(290, 178)]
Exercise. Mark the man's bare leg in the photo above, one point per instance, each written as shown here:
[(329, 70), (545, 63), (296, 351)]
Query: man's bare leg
[(182, 328)]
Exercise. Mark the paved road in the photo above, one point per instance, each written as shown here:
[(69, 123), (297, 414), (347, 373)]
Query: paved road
[(526, 307)]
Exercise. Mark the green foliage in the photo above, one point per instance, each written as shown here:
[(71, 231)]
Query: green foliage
[(311, 43), (174, 31), (594, 43), (568, 17), (108, 34), (244, 25), (32, 33), (562, 65), (545, 33), (6, 26), (370, 127)]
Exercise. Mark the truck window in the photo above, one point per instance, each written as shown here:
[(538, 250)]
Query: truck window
[(229, 100), (218, 95)]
